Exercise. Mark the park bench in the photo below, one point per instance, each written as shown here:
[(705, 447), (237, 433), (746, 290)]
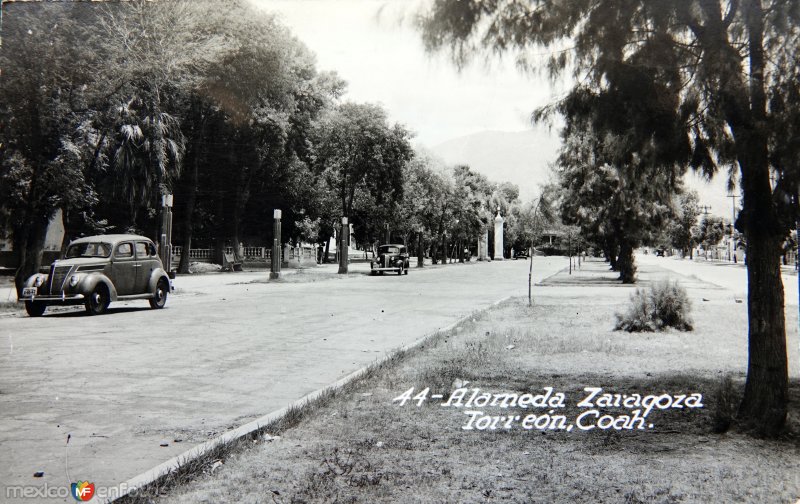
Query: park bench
[(230, 263)]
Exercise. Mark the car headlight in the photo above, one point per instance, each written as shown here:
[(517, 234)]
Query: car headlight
[(39, 280), (73, 281)]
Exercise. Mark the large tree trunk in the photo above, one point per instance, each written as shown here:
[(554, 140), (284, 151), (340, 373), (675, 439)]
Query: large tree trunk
[(764, 405), (611, 251), (188, 221), (627, 266), (238, 211), (434, 252), (158, 225), (220, 231), (29, 248), (420, 251), (327, 252), (187, 225), (67, 221)]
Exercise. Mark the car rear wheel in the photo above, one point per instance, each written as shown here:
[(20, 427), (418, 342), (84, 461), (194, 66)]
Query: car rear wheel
[(160, 296), (35, 308), (98, 300)]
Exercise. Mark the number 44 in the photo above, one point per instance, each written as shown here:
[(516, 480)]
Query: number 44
[(407, 396)]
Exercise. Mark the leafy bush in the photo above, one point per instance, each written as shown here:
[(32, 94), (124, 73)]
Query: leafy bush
[(664, 305)]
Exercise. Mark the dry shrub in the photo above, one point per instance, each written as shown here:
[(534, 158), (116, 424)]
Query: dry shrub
[(664, 305)]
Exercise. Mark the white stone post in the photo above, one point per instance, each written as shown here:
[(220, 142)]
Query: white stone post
[(498, 236)]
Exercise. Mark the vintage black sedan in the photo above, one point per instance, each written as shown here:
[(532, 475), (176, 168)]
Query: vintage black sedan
[(97, 270), (390, 258), (521, 253)]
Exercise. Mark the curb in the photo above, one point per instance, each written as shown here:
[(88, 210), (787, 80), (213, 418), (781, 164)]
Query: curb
[(148, 477)]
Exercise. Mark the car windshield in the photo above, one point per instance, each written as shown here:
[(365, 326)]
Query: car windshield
[(89, 249), (389, 249)]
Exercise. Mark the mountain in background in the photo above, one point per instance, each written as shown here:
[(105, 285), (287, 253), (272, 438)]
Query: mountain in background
[(524, 157), (519, 157)]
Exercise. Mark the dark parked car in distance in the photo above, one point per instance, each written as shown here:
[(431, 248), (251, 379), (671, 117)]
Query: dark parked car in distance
[(97, 270), (390, 257)]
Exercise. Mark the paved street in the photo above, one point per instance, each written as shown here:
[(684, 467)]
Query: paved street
[(224, 352), (724, 274)]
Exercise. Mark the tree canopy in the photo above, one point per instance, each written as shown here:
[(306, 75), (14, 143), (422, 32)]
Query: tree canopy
[(718, 80), (225, 109)]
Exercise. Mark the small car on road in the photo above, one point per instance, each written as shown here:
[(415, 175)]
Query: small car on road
[(97, 270), (390, 257)]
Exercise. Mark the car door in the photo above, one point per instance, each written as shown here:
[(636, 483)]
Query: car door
[(124, 269), (148, 261)]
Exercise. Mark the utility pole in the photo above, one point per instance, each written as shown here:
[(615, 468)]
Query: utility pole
[(275, 270), (704, 210), (165, 240), (733, 221), (343, 245), (569, 250)]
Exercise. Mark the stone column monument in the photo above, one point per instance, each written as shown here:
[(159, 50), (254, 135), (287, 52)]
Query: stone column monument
[(498, 236)]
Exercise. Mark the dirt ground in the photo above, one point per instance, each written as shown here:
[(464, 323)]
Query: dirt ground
[(378, 445)]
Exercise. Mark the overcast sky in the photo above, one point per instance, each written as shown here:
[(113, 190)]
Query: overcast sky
[(383, 60)]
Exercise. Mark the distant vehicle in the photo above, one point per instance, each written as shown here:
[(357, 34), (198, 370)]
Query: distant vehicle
[(521, 254), (97, 270), (660, 252), (390, 257)]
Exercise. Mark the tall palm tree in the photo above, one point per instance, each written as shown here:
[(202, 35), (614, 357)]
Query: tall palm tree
[(147, 155)]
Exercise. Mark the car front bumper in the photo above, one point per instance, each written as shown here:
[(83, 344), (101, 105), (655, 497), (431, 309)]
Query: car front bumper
[(50, 299)]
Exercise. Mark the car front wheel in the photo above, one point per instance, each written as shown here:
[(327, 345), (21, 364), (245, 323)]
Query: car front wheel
[(35, 308), (98, 300), (160, 296)]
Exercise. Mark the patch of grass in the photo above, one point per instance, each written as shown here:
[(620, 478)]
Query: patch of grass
[(664, 305)]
